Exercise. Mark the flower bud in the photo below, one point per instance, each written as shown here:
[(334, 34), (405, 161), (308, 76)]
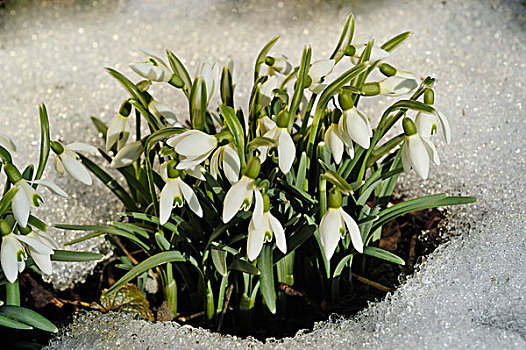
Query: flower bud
[(5, 228), (253, 168), (125, 108), (409, 126), (269, 61), (335, 198), (56, 147), (371, 89), (429, 97)]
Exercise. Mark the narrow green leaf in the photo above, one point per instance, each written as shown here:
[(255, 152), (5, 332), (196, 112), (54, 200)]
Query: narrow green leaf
[(300, 84), (266, 267), (244, 266), (236, 129), (9, 323), (342, 264), (150, 263), (394, 42), (181, 71), (345, 39), (338, 181), (5, 155), (101, 230), (301, 175), (29, 317), (74, 256), (100, 126), (261, 141), (219, 260), (383, 254), (6, 199), (44, 142), (132, 89)]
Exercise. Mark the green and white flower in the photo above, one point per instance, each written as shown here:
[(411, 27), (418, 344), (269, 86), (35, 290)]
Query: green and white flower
[(227, 158), (286, 148), (266, 90), (194, 146), (66, 159), (175, 192), (263, 227), (7, 143), (359, 45), (426, 123), (155, 69), (118, 132), (278, 64), (335, 223), (241, 194), (128, 154), (355, 126), (417, 150), (334, 140), (12, 255), (40, 246), (401, 83), (317, 73)]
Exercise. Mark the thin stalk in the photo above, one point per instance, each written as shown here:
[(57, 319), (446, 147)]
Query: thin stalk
[(12, 293)]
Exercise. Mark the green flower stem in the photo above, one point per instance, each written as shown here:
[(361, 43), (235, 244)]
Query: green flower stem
[(170, 289), (323, 196), (12, 293)]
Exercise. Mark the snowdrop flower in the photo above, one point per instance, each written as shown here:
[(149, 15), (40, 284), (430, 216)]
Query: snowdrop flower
[(175, 192), (155, 69), (286, 148), (119, 128), (162, 111), (128, 154), (317, 72), (417, 150), (353, 125), (241, 194), (263, 227), (40, 246), (67, 160), (334, 140), (26, 196), (194, 146), (12, 255), (266, 91), (335, 223), (398, 82), (7, 143), (278, 64), (226, 156), (359, 45), (209, 75), (426, 123)]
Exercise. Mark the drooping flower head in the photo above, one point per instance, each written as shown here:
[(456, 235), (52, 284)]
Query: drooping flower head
[(155, 69), (417, 150), (66, 159), (426, 123), (335, 223), (279, 133), (278, 64), (119, 128), (353, 125), (317, 73)]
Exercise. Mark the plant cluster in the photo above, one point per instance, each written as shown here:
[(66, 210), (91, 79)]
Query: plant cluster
[(297, 185)]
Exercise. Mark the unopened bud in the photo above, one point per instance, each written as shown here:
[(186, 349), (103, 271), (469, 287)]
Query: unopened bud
[(409, 126), (387, 69)]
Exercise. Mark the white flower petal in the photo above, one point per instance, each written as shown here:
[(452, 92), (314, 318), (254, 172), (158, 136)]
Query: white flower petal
[(320, 69), (236, 196), (330, 226), (214, 162), (279, 233), (406, 161), (257, 214), (52, 187), (193, 143), (317, 88), (231, 163), (377, 54), (358, 127), (425, 123), (21, 207), (81, 147), (155, 55), (354, 230), (431, 150), (7, 143), (59, 167), (8, 256), (127, 155), (196, 171), (35, 243), (166, 200), (191, 163), (255, 240), (286, 150), (444, 125), (418, 155), (113, 132), (332, 138), (43, 262), (190, 197), (75, 168)]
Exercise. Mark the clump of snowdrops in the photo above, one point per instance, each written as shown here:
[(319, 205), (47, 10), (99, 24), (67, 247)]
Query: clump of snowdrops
[(25, 241), (297, 185)]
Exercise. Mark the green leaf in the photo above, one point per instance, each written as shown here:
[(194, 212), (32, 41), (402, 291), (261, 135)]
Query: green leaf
[(9, 323), (262, 55), (300, 236), (341, 265), (44, 141), (219, 260), (6, 199), (5, 155), (129, 299), (150, 263), (244, 266), (261, 141), (100, 231), (100, 126), (132, 89), (36, 222), (345, 39), (300, 84), (74, 256), (338, 181), (394, 42), (266, 267), (301, 174), (153, 219), (109, 182), (383, 254), (236, 129), (28, 316)]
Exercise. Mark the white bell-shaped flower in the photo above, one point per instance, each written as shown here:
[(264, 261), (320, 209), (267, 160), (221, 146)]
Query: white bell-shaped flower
[(155, 69), (266, 91), (210, 76), (194, 146), (227, 158), (163, 111), (426, 123), (317, 72), (335, 223), (241, 194), (175, 192), (26, 196), (286, 147), (66, 159), (401, 83), (417, 150), (128, 154), (335, 142), (12, 256), (360, 43), (278, 64), (40, 246), (118, 132), (263, 227), (355, 126)]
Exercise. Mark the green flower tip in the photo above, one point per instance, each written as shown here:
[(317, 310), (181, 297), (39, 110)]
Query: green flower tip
[(176, 81), (25, 230), (5, 228), (12, 173), (266, 203), (335, 198), (346, 101), (173, 173), (350, 51), (125, 109), (371, 89), (429, 97), (269, 61), (253, 168), (409, 126), (387, 69), (56, 147)]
